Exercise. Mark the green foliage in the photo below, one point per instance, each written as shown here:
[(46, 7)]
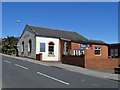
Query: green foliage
[(8, 49), (9, 45), (1, 48), (11, 40)]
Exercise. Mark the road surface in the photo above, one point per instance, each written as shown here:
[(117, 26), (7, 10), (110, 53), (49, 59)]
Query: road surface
[(23, 74)]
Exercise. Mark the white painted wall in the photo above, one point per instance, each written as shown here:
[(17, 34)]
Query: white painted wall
[(46, 40)]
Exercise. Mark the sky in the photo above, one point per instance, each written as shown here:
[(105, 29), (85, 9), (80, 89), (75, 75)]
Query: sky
[(93, 20)]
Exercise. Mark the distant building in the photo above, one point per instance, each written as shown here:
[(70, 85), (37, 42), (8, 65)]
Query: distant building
[(114, 50)]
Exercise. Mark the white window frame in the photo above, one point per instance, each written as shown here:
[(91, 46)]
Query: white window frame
[(53, 49), (44, 48), (74, 52), (77, 52), (98, 48), (65, 48)]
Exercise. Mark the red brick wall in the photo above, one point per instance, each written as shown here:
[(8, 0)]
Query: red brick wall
[(39, 56), (89, 54), (102, 64), (73, 60), (74, 46), (62, 47)]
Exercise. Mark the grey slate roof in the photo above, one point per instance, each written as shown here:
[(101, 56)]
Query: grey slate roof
[(96, 42), (47, 32), (73, 36)]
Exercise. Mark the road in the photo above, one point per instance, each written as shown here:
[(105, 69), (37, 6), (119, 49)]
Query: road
[(23, 74)]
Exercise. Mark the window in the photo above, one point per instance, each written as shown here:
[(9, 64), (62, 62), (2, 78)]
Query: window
[(111, 52), (30, 46), (66, 48), (78, 52), (97, 51), (75, 52), (82, 52), (22, 47), (116, 52), (51, 48), (42, 47)]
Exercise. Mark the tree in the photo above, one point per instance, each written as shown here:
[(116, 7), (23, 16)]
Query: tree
[(9, 45), (11, 41)]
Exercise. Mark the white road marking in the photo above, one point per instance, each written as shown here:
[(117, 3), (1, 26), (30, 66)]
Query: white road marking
[(83, 80), (96, 85), (21, 66), (7, 61), (105, 77), (53, 78)]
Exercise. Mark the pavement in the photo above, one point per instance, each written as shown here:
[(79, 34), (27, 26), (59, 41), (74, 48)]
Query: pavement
[(76, 69), (18, 72)]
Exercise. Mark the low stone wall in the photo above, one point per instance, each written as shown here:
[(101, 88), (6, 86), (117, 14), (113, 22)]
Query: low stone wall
[(102, 63), (73, 60)]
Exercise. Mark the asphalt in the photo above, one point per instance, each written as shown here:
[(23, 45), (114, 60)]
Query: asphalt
[(95, 73), (18, 73)]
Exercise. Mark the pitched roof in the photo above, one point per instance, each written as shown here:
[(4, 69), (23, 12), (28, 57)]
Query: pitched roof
[(69, 35), (48, 32), (115, 43), (97, 42)]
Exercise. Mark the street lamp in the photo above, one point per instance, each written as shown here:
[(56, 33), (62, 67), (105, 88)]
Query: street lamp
[(18, 21)]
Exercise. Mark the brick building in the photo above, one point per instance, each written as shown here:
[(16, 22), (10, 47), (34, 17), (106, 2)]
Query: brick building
[(47, 44), (114, 50)]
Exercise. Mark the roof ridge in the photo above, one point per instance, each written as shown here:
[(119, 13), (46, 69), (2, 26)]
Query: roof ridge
[(52, 28), (95, 40), (57, 33)]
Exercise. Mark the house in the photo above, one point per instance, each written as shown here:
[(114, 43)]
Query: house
[(114, 50), (69, 47), (48, 44)]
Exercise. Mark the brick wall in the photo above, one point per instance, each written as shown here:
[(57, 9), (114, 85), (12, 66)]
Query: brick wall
[(89, 54), (114, 46), (102, 64), (73, 60), (74, 46), (39, 57), (62, 47)]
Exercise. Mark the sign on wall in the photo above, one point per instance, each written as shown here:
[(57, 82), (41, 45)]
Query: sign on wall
[(86, 46)]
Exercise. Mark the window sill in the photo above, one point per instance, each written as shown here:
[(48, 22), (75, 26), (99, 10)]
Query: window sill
[(97, 55), (51, 55)]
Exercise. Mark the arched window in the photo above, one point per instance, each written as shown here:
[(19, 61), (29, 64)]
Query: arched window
[(51, 48), (22, 47), (65, 48), (30, 46)]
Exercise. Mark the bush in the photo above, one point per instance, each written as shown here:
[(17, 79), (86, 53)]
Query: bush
[(0, 48), (8, 50)]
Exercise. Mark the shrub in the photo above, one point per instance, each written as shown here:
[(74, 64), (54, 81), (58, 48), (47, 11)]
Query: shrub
[(8, 50)]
